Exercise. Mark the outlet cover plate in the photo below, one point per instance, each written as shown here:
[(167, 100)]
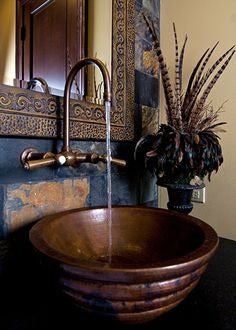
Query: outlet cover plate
[(199, 195)]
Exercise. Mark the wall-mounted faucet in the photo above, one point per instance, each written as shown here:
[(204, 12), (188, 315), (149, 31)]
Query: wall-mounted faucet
[(32, 159)]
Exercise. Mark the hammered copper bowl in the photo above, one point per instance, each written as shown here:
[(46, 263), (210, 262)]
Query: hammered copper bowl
[(158, 257)]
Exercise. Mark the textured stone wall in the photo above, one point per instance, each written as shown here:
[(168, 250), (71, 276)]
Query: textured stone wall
[(30, 201), (146, 85), (28, 196)]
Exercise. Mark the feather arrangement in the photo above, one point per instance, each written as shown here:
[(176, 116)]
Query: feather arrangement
[(187, 146)]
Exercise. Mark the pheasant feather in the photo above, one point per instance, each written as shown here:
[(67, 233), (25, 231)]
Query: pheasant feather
[(210, 71), (181, 59), (188, 90), (177, 82), (197, 79), (212, 83), (189, 110)]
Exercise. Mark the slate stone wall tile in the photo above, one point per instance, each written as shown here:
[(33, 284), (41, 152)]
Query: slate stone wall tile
[(150, 120), (145, 58), (2, 199), (138, 53), (138, 121), (148, 187), (141, 30), (146, 90), (122, 190), (140, 25), (98, 191), (153, 6), (27, 202), (138, 5), (11, 169), (150, 63)]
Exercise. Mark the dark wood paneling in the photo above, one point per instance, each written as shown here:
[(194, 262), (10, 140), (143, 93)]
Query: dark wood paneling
[(48, 43)]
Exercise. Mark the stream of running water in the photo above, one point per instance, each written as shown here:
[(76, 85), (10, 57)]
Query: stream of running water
[(108, 151)]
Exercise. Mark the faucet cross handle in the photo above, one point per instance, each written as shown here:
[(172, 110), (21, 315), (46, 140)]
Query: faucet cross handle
[(32, 159), (114, 161), (94, 158)]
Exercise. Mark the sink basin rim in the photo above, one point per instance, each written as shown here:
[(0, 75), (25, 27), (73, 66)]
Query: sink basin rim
[(199, 256)]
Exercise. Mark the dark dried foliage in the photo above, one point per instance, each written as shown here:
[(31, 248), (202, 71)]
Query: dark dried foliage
[(178, 157)]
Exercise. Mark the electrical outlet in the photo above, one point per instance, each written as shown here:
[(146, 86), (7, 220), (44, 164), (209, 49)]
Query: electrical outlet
[(199, 195)]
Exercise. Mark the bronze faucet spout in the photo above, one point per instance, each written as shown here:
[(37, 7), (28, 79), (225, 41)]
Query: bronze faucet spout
[(107, 93)]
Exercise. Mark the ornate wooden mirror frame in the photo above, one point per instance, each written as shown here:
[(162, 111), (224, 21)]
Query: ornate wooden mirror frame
[(34, 114)]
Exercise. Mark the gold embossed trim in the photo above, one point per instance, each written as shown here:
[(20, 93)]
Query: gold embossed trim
[(33, 114)]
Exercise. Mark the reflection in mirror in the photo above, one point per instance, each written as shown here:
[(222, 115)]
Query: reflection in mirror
[(50, 38), (39, 83), (28, 113), (99, 44), (98, 35)]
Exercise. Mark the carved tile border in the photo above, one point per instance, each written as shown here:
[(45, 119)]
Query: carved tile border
[(34, 114)]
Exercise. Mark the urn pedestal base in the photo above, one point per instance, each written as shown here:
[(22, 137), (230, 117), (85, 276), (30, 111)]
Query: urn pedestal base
[(180, 196)]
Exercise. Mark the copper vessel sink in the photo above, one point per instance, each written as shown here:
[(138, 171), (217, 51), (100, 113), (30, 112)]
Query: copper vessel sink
[(158, 257)]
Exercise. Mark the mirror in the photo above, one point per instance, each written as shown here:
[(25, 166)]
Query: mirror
[(30, 113)]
